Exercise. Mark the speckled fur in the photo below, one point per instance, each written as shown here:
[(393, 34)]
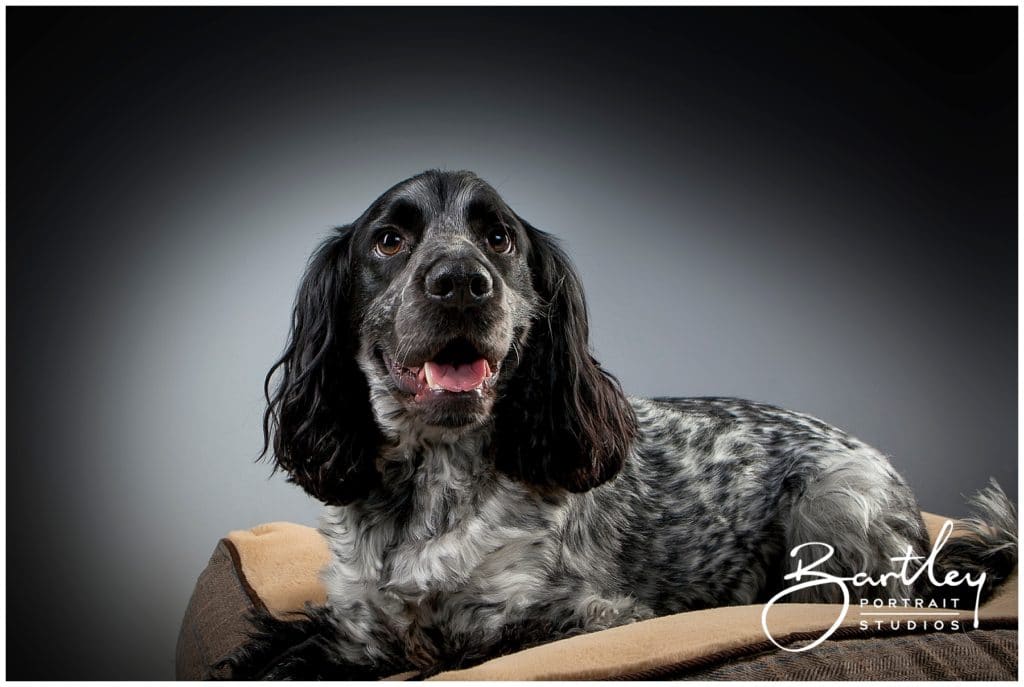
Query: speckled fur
[(448, 559)]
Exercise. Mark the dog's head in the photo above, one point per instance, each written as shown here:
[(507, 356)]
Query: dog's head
[(441, 312)]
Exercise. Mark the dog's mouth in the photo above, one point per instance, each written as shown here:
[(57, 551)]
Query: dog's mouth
[(457, 368)]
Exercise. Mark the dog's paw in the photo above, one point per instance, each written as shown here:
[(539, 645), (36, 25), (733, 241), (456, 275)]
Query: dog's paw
[(299, 649)]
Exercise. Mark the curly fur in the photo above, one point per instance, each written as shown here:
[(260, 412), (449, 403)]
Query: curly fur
[(550, 503)]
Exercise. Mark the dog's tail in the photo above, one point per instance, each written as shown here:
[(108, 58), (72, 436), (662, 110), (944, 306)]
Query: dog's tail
[(984, 543)]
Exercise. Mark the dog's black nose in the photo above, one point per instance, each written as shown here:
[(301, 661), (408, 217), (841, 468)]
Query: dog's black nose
[(459, 283)]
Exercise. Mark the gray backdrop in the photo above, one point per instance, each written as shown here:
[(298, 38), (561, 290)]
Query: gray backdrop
[(814, 209)]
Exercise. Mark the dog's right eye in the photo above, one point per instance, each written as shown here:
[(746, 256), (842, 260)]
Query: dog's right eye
[(389, 242)]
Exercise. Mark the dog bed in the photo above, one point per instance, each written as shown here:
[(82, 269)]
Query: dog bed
[(275, 567)]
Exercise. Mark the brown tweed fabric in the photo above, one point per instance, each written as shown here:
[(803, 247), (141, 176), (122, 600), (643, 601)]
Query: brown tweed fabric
[(215, 620), (975, 655)]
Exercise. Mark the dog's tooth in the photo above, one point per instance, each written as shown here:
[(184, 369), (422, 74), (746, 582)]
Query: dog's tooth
[(430, 373)]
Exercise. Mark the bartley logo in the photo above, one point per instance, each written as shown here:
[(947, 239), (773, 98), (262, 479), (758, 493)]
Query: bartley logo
[(884, 613)]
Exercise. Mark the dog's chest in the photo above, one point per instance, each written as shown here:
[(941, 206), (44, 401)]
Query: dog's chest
[(458, 530), (460, 541)]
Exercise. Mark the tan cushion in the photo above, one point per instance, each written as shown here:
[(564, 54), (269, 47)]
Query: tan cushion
[(686, 639), (281, 561), (276, 565)]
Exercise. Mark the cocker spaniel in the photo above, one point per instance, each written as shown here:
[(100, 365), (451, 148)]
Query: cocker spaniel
[(489, 486)]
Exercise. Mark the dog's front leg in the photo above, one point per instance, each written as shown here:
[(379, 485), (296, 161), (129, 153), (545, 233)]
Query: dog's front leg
[(476, 633), (320, 643)]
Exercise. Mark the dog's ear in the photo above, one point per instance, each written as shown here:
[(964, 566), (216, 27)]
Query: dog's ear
[(319, 422), (562, 420)]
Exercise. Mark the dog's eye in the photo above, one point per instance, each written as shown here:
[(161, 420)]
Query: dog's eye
[(389, 243), (499, 241)]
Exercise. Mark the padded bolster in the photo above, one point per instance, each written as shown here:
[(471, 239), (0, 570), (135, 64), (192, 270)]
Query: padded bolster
[(215, 619)]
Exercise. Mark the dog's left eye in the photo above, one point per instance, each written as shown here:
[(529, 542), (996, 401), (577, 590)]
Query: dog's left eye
[(389, 243), (499, 241)]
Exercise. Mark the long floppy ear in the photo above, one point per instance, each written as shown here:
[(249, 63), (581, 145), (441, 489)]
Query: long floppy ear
[(562, 420), (319, 421)]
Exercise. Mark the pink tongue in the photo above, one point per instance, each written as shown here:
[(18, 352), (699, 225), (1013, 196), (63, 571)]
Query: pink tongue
[(456, 377)]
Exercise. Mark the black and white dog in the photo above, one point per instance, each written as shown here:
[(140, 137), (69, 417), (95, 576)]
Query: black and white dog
[(489, 485)]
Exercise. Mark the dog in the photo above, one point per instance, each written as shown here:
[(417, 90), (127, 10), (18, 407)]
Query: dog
[(489, 486)]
